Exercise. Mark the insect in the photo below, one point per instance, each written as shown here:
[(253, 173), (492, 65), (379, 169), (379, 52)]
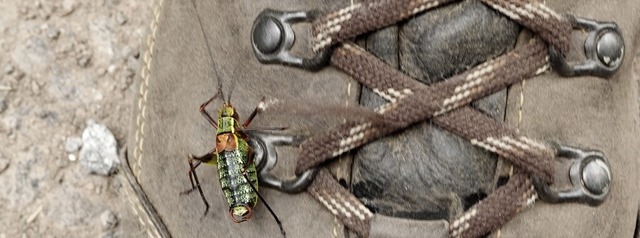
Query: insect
[(233, 156)]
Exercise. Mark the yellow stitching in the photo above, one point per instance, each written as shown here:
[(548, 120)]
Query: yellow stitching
[(336, 223), (142, 101), (140, 121), (520, 117), (521, 105), (138, 211)]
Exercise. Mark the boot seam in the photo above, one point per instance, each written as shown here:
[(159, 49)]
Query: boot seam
[(143, 91), (498, 232), (136, 207)]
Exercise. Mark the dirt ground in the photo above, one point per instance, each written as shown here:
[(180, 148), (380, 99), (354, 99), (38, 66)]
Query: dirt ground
[(65, 62)]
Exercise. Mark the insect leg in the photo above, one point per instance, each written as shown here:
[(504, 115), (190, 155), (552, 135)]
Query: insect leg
[(193, 185), (194, 177), (284, 234), (210, 157), (200, 159), (204, 36), (203, 110)]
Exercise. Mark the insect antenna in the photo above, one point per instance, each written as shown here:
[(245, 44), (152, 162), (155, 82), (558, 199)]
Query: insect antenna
[(206, 41), (221, 92), (192, 172), (284, 234), (233, 87)]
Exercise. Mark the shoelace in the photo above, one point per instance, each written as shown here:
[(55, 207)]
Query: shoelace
[(445, 103)]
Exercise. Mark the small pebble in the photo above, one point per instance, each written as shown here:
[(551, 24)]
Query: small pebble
[(44, 14), (9, 69), (83, 60), (18, 75), (28, 13), (123, 83), (102, 72), (44, 10), (108, 220), (135, 54), (3, 105), (72, 157), (127, 52), (120, 18), (68, 6), (112, 69), (11, 122), (129, 73), (72, 144), (4, 165), (53, 33), (67, 48), (99, 153), (34, 215), (108, 234), (133, 64), (35, 88)]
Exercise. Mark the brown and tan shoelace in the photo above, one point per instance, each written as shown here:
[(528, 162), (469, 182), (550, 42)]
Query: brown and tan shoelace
[(445, 103)]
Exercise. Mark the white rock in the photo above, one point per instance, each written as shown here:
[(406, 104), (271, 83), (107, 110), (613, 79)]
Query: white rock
[(99, 153), (108, 220)]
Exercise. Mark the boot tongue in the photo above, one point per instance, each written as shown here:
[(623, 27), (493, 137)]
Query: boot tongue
[(425, 172)]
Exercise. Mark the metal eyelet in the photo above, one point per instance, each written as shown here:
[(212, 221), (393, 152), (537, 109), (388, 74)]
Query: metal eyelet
[(264, 145), (603, 47), (590, 176), (272, 38)]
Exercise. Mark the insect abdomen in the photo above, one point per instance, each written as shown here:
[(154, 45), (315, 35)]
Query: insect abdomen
[(234, 185)]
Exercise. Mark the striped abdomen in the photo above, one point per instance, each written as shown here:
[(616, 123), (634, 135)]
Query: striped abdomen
[(239, 194)]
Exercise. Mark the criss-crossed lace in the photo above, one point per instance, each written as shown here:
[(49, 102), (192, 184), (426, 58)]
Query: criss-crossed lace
[(445, 103)]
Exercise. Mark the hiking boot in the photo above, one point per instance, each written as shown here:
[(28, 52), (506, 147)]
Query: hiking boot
[(412, 167)]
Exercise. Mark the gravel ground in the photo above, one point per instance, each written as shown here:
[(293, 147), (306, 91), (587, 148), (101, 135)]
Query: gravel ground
[(65, 76), (65, 65)]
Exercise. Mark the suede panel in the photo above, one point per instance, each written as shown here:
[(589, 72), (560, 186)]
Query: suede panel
[(182, 78), (586, 112)]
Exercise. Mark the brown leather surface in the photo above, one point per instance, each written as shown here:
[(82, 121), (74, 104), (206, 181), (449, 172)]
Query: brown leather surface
[(182, 78), (586, 112)]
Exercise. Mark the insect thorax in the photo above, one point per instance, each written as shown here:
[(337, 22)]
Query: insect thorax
[(227, 125)]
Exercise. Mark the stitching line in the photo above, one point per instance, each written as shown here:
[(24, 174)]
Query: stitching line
[(138, 211), (144, 85), (520, 116), (140, 120), (518, 125)]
